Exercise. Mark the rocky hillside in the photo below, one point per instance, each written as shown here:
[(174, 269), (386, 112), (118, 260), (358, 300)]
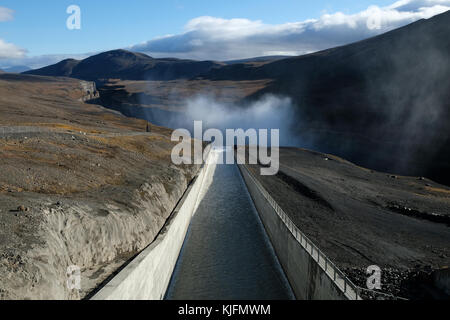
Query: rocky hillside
[(360, 217), (79, 185)]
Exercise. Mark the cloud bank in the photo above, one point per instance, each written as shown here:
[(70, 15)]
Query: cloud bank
[(269, 112), (226, 39), (213, 38), (9, 50)]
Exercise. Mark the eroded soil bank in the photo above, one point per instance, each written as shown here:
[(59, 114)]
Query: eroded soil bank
[(79, 185)]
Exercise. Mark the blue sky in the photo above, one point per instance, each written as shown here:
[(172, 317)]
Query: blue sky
[(39, 27)]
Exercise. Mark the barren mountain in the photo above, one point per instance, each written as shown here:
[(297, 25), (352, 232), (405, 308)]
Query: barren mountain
[(79, 185), (126, 65), (60, 69)]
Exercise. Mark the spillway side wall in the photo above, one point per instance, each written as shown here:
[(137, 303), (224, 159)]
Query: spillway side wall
[(308, 280), (148, 275)]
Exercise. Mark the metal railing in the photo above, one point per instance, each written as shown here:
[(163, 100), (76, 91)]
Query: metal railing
[(350, 290)]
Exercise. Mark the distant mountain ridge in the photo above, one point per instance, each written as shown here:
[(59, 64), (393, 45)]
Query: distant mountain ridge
[(127, 65), (17, 69), (63, 68), (262, 59)]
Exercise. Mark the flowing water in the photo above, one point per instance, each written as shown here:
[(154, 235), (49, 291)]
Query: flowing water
[(226, 254)]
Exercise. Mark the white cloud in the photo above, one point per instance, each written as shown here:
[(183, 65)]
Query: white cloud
[(11, 51), (6, 14), (222, 39)]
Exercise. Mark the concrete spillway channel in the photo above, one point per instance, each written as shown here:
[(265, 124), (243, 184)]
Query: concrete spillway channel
[(214, 246), (227, 254)]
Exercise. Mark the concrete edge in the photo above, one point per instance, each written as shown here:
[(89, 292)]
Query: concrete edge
[(148, 275), (307, 276)]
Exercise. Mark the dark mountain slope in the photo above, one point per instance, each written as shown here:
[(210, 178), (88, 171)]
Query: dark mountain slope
[(263, 59), (60, 69), (382, 102), (126, 65)]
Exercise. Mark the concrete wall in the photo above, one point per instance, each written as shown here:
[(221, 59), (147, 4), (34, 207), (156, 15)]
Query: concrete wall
[(308, 280), (148, 275)]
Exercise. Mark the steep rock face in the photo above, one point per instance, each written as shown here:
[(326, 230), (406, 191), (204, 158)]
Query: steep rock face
[(90, 90), (91, 236)]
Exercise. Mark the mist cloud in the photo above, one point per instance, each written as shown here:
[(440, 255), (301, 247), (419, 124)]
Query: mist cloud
[(224, 39), (9, 50), (269, 112)]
